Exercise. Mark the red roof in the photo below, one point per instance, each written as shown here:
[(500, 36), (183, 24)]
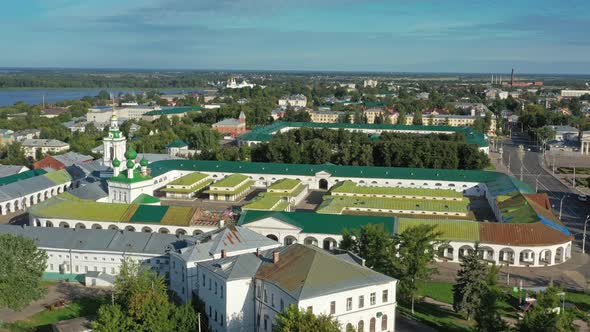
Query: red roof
[(534, 234)]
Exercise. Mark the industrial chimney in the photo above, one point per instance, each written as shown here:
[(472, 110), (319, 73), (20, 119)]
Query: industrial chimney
[(512, 78)]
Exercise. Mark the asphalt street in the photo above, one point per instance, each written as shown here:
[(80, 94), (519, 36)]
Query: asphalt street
[(573, 212)]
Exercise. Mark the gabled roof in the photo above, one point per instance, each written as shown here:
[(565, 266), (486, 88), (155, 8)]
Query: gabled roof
[(319, 223), (234, 267), (21, 176), (177, 143), (308, 271)]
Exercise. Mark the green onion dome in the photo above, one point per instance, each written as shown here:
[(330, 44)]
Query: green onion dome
[(130, 164), (143, 162), (116, 162), (130, 154)]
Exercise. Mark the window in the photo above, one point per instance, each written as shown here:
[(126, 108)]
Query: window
[(76, 268), (349, 304), (51, 266), (215, 315), (384, 297), (373, 298), (282, 305), (272, 300), (372, 324), (209, 283), (203, 280), (361, 301), (361, 326), (209, 311), (265, 323), (265, 297), (215, 286), (112, 270), (104, 270), (383, 322), (85, 268), (332, 307), (258, 320), (221, 320), (221, 291), (310, 309)]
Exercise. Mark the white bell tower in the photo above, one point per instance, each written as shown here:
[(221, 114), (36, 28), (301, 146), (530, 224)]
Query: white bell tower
[(114, 144)]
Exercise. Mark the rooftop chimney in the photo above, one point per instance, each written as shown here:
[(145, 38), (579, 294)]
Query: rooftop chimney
[(275, 257), (223, 253)]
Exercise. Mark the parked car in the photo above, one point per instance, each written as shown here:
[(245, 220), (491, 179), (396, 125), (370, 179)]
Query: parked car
[(582, 198)]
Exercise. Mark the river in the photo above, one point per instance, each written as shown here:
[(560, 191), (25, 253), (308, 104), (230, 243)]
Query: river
[(35, 96)]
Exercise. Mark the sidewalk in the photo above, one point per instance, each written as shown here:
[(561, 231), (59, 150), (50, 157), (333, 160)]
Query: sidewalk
[(563, 178)]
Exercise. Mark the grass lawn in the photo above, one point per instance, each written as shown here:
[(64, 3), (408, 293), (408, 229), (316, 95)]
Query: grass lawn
[(437, 317), (569, 170), (77, 308)]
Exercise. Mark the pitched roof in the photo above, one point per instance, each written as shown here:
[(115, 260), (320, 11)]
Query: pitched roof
[(234, 267), (21, 176), (521, 234), (177, 143), (308, 271), (175, 110), (319, 223)]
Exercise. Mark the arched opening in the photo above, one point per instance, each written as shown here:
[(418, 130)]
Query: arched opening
[(130, 228), (310, 241), (372, 324), (545, 256), (96, 226), (113, 227), (46, 194), (506, 256), (8, 208), (146, 230), (486, 253), (329, 243), (527, 257), (39, 197), (559, 255), (361, 326), (197, 232), (64, 224), (272, 237), (180, 231), (37, 222), (290, 240), (464, 251), (445, 251), (80, 226), (384, 322), (349, 327), (31, 201), (48, 223), (164, 230), (323, 184)]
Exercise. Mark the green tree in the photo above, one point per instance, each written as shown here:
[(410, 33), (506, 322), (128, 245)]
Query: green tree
[(487, 315), (546, 315), (103, 95), (293, 319), (111, 319), (471, 283), (417, 120), (23, 265), (371, 242), (413, 262)]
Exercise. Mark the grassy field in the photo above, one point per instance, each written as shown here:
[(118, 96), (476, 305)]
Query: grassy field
[(40, 321)]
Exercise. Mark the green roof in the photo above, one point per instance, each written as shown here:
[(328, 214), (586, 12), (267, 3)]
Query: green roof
[(146, 199), (266, 203), (451, 229), (188, 179), (353, 188), (266, 133), (230, 181), (61, 207), (319, 223), (189, 190), (21, 176), (178, 143), (245, 186), (501, 182), (374, 104), (149, 214), (175, 110), (284, 184), (59, 177), (517, 209), (336, 204)]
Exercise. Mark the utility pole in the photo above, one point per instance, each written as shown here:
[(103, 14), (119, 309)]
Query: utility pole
[(537, 183), (584, 236), (520, 153), (199, 321), (561, 205)]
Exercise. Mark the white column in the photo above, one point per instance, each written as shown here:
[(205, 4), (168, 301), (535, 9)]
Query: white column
[(516, 258)]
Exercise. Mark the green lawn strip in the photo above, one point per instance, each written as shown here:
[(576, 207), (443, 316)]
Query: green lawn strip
[(189, 190), (284, 184), (335, 204), (351, 187), (77, 308), (435, 316), (569, 170), (188, 179), (239, 189), (262, 202), (230, 181)]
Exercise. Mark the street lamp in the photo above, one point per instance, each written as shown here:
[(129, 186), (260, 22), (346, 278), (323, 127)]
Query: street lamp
[(584, 235), (561, 205)]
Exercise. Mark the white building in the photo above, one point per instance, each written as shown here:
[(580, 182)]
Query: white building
[(370, 83), (232, 84), (293, 101), (246, 292), (574, 93), (31, 146)]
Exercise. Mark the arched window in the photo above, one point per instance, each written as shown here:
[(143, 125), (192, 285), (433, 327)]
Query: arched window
[(384, 322), (349, 327), (372, 324), (361, 326)]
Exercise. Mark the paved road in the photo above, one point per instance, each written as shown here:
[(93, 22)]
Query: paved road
[(574, 211)]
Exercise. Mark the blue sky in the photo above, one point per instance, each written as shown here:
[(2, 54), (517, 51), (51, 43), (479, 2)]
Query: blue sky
[(357, 35)]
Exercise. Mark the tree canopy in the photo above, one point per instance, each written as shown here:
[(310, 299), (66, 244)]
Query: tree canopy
[(23, 265), (292, 319)]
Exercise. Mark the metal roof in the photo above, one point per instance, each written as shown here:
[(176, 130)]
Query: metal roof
[(308, 271), (99, 240), (21, 176), (234, 267)]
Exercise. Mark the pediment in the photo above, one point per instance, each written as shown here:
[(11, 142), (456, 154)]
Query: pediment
[(272, 223)]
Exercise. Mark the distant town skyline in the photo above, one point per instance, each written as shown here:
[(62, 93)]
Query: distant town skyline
[(320, 35)]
